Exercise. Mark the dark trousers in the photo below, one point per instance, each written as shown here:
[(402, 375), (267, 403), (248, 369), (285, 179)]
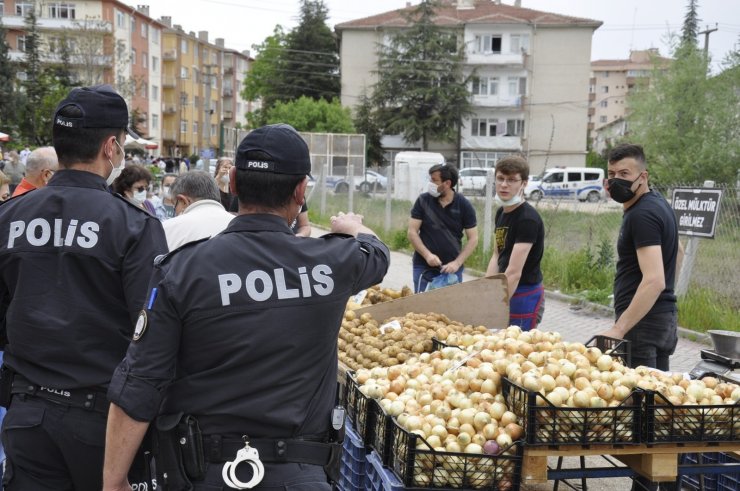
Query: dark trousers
[(278, 477), (53, 446), (653, 340)]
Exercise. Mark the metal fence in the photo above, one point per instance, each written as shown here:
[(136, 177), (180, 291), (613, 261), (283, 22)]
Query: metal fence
[(570, 225)]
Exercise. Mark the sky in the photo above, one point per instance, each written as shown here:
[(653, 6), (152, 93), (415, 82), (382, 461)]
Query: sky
[(627, 24)]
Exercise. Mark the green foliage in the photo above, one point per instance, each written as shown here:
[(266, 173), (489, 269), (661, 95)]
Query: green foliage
[(703, 310), (595, 159), (306, 114), (581, 272), (263, 76), (366, 122), (10, 99), (400, 240), (688, 123), (421, 91), (690, 27), (312, 56)]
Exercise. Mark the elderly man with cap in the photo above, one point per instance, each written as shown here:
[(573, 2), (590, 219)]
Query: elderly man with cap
[(76, 260), (236, 348), (41, 164)]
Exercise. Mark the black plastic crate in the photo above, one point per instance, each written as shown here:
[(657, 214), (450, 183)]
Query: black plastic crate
[(694, 482), (619, 349), (418, 466), (360, 409), (381, 434), (546, 424), (666, 423), (728, 481)]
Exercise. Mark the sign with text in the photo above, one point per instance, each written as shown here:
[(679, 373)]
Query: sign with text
[(696, 210)]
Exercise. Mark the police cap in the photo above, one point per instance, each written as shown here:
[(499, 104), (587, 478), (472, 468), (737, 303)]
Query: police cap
[(101, 107), (286, 149)]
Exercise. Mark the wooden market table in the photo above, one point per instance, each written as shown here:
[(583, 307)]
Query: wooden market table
[(658, 462)]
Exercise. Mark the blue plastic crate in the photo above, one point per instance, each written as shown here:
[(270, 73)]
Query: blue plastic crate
[(352, 467), (729, 481), (379, 478), (693, 482)]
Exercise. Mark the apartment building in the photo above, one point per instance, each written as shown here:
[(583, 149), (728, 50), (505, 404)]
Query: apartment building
[(108, 42), (530, 93), (235, 107), (611, 83)]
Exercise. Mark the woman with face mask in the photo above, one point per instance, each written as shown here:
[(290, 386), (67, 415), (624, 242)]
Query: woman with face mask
[(520, 237), (223, 166), (133, 184)]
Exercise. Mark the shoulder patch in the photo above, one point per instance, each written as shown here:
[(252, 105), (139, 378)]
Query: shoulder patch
[(141, 324), (163, 258)]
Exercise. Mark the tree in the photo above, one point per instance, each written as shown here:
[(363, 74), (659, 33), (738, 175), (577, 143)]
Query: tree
[(687, 122), (34, 83), (262, 80), (90, 39), (690, 25), (421, 91), (9, 97), (307, 114), (311, 58), (366, 122)]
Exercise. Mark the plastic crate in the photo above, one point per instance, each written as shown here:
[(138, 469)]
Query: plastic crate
[(360, 411), (693, 482), (619, 349), (728, 481), (666, 423), (352, 467), (379, 478), (381, 434), (418, 466), (546, 424)]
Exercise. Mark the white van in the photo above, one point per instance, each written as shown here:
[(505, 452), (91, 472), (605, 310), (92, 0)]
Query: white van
[(411, 173), (583, 183)]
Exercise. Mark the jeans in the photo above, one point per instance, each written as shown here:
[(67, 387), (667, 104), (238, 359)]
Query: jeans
[(653, 340), (424, 274)]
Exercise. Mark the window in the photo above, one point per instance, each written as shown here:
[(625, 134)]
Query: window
[(196, 102), (144, 30), (196, 75), (602, 119), (23, 8), (22, 43), (144, 90), (183, 126), (184, 72), (574, 177), (120, 19), (133, 56), (184, 45), (517, 85), (487, 44), (195, 127), (554, 177), (2, 8), (133, 24), (514, 127), (155, 36), (483, 127), (591, 176), (213, 129), (485, 86), (145, 59), (155, 121), (481, 159), (604, 103), (519, 43), (605, 89), (145, 119), (155, 93), (155, 64), (62, 10)]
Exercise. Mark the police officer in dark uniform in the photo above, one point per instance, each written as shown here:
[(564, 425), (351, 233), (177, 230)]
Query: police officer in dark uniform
[(236, 346), (75, 262)]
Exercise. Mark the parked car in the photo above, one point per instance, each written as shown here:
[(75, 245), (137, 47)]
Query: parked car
[(532, 185), (371, 181), (473, 180), (583, 183)]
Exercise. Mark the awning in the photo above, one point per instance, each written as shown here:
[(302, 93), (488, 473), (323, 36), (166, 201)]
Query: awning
[(140, 143)]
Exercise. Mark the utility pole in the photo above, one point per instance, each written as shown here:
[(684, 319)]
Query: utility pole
[(706, 33)]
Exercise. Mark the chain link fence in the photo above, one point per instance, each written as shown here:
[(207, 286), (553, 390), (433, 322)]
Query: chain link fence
[(571, 227)]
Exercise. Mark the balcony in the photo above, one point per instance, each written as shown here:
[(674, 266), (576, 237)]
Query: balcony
[(498, 101), (169, 82), (170, 109), (48, 23), (228, 92), (169, 135), (498, 59), (513, 143), (169, 55), (228, 115), (228, 71), (591, 111), (592, 81), (591, 126), (591, 96)]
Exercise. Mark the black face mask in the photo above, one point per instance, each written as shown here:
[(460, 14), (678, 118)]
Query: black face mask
[(621, 189)]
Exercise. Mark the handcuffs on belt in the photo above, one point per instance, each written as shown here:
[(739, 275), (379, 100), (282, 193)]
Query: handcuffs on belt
[(252, 457)]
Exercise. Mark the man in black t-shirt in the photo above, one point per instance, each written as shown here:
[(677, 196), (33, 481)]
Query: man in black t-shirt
[(649, 260), (520, 238), (438, 219)]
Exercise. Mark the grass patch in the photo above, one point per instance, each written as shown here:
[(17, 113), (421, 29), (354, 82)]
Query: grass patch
[(702, 310)]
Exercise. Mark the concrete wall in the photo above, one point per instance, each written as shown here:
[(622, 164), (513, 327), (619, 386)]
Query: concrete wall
[(358, 54)]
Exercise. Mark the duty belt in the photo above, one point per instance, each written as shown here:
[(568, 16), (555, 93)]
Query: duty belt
[(273, 450), (93, 399)]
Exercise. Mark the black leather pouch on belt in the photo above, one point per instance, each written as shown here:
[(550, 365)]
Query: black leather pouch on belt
[(6, 385), (171, 475), (332, 469), (191, 445)]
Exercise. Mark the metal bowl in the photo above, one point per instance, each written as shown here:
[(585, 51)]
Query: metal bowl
[(726, 343)]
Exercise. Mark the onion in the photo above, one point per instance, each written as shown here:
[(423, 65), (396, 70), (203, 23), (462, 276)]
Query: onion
[(473, 448), (490, 431), (547, 382), (481, 419), (582, 383), (567, 368), (621, 392), (491, 448), (508, 417), (581, 399), (464, 439), (497, 410), (504, 440), (604, 363), (530, 382), (514, 430)]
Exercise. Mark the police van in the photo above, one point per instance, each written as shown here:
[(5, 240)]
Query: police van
[(582, 183)]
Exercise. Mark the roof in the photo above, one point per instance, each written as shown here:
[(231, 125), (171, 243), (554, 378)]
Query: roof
[(638, 59), (484, 12)]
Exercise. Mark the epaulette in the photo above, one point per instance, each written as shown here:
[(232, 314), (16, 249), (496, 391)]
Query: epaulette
[(163, 258)]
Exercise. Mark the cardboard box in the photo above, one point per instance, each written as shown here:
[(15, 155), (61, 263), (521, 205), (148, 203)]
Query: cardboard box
[(481, 302)]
